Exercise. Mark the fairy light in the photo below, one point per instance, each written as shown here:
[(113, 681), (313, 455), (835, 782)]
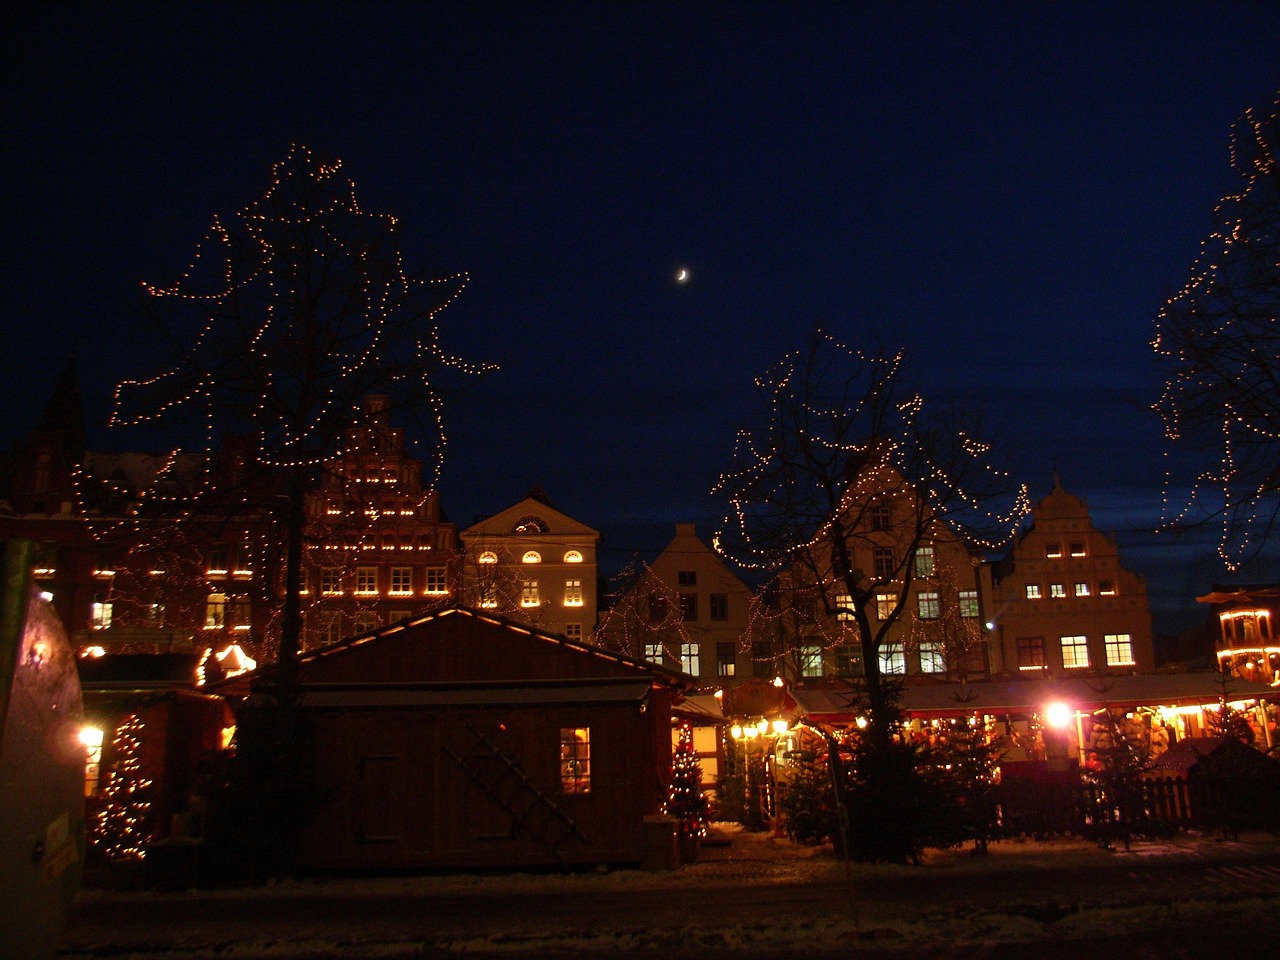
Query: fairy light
[(373, 330), (1219, 338), (844, 440)]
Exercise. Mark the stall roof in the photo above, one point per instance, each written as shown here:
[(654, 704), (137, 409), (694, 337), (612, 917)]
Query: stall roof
[(838, 704)]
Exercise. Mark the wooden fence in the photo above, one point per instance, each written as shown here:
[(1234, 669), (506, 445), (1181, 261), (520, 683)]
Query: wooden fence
[(1150, 807)]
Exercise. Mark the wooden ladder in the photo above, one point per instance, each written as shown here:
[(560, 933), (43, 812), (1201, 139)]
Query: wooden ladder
[(503, 782)]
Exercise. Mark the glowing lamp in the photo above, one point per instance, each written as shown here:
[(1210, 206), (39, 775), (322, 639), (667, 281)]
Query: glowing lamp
[(1057, 715), (779, 727), (91, 737), (736, 732)]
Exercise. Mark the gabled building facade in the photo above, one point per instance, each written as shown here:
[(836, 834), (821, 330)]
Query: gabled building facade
[(533, 564), (378, 549), (921, 589), (687, 610), (1062, 603)]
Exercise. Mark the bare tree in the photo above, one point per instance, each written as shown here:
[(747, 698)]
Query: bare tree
[(1219, 340), (645, 616), (850, 491), (305, 308)]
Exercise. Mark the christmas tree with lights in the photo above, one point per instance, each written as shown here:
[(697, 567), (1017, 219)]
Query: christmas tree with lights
[(120, 827), (685, 800)]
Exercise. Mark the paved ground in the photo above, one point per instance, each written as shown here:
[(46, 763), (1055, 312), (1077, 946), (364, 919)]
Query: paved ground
[(755, 897)]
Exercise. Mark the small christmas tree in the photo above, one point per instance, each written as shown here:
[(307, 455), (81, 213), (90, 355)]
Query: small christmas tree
[(120, 827), (685, 800)]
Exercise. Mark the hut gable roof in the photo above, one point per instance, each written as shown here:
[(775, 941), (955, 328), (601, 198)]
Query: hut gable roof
[(461, 645)]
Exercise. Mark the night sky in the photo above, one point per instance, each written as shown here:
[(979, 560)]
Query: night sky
[(1010, 191)]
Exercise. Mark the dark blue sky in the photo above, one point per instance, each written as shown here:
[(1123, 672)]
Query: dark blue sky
[(1008, 190)]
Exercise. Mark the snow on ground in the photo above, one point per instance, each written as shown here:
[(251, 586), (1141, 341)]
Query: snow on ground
[(747, 861)]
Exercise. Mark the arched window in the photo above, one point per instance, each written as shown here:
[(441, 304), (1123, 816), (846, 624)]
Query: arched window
[(572, 556), (531, 556), (530, 524), (487, 557)]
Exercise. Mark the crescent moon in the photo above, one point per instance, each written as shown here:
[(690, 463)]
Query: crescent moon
[(682, 276)]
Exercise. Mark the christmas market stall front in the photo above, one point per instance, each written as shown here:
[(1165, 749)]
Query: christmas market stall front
[(1057, 721), (461, 740)]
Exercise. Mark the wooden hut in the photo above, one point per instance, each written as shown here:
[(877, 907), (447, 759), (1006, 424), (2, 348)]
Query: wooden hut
[(460, 740)]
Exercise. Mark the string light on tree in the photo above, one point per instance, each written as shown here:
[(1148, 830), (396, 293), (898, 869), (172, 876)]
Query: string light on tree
[(1218, 338)]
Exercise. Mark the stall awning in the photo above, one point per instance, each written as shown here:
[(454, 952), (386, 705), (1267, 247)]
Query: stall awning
[(839, 705)]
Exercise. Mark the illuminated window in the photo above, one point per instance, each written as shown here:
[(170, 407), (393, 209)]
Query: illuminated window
[(331, 581), (530, 524), (688, 607), (968, 600), (529, 593), (1075, 652), (687, 578), (879, 516), (1057, 590), (719, 606), (925, 561), (573, 631), (653, 652), (1082, 590), (884, 565), (884, 605), (101, 612), (1077, 549), (690, 660), (401, 581), (531, 556), (572, 556), (487, 557), (1106, 588), (844, 606), (575, 759), (437, 581), (1053, 550), (1119, 650), (366, 581), (215, 611), (1031, 653), (488, 596), (1033, 591), (726, 659), (573, 593), (892, 659), (811, 660), (927, 605), (931, 660)]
